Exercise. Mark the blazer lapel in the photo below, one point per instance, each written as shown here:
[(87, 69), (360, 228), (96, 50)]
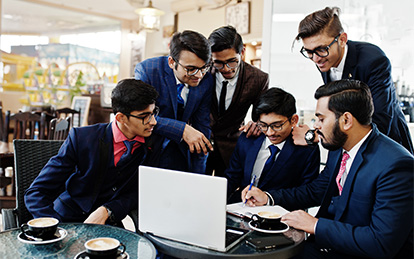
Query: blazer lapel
[(192, 99), (171, 85), (250, 159), (350, 62)]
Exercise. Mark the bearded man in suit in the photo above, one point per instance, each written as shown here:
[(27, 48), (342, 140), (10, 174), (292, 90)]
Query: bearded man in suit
[(238, 85)]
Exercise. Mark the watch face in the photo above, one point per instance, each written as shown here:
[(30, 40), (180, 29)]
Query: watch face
[(308, 136)]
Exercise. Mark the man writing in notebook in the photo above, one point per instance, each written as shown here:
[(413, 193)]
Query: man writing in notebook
[(93, 178), (272, 159), (365, 191)]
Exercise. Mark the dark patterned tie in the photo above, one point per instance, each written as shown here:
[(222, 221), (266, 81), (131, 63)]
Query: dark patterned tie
[(179, 90), (222, 102), (341, 172), (269, 162), (125, 156)]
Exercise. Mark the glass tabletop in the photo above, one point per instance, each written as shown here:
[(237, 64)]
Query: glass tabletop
[(137, 246)]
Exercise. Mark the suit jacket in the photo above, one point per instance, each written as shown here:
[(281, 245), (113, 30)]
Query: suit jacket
[(68, 181), (156, 72), (251, 83), (374, 215), (367, 63), (295, 165)]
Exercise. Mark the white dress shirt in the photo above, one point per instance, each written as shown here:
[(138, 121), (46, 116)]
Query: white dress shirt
[(184, 92), (336, 72), (231, 87)]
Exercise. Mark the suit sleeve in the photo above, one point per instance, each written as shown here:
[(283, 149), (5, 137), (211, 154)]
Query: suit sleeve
[(311, 171), (234, 173), (390, 222), (44, 190)]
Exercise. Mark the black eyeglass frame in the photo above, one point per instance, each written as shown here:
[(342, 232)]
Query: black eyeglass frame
[(305, 52), (275, 127), (226, 63), (203, 69), (147, 115)]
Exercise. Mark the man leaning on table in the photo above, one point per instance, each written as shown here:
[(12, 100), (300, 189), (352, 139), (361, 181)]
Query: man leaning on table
[(93, 178), (365, 192)]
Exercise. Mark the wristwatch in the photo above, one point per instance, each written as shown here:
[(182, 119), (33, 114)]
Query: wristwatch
[(111, 218), (310, 137)]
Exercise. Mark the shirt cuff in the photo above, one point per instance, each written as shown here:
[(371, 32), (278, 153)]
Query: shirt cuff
[(314, 228), (270, 201)]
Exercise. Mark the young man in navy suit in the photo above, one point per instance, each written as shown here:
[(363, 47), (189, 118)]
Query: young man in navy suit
[(238, 86), (93, 178), (275, 114), (365, 191), (336, 57), (181, 137)]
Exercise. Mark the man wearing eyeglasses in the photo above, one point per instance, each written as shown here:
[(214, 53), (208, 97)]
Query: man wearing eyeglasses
[(336, 57), (271, 160), (237, 86), (181, 137), (93, 178)]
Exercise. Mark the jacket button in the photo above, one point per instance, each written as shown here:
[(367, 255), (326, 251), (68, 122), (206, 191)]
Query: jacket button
[(114, 188)]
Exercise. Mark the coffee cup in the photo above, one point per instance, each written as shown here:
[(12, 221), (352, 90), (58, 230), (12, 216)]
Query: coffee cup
[(104, 247), (44, 228), (267, 220)]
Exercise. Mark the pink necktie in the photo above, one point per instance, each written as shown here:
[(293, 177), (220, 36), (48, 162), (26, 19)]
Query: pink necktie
[(345, 157)]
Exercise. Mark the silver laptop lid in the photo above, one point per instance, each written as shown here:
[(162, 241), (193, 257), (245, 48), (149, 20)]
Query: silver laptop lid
[(181, 206)]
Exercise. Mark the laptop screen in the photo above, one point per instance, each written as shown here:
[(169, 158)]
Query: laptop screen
[(182, 206)]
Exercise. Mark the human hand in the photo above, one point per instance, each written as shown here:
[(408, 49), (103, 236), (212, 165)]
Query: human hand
[(298, 135), (254, 197), (196, 140), (299, 219), (99, 216), (251, 129)]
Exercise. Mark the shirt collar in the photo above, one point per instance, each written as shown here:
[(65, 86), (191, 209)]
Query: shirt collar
[(340, 68), (280, 145), (354, 150), (120, 137), (232, 81), (177, 82)]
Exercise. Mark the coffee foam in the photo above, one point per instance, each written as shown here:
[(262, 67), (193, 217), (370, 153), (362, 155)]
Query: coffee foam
[(269, 214), (43, 222), (102, 244)]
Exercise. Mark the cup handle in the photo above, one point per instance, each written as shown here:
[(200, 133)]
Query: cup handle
[(123, 248), (255, 217), (22, 228)]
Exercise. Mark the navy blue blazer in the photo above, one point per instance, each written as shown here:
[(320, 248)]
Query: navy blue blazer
[(65, 188), (295, 165), (368, 63), (374, 215), (156, 72)]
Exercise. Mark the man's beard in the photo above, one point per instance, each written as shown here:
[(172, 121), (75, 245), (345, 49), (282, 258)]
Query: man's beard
[(338, 138)]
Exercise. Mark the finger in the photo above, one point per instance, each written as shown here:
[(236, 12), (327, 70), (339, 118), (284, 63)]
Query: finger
[(191, 147), (198, 147), (208, 144)]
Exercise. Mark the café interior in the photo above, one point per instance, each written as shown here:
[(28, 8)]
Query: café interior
[(61, 55)]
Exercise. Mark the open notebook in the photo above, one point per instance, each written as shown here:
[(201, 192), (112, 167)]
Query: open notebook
[(185, 207)]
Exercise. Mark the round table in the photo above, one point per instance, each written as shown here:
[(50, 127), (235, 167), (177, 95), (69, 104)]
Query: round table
[(137, 246), (241, 250)]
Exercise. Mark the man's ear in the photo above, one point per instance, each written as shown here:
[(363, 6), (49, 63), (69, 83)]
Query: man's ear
[(347, 121), (121, 118), (294, 120), (343, 39), (171, 62)]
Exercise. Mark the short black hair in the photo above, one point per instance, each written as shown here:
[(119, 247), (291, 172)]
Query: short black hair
[(132, 95), (274, 100), (348, 96), (325, 20), (225, 37), (191, 41)]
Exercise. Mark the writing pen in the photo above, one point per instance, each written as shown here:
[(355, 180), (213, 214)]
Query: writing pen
[(250, 187)]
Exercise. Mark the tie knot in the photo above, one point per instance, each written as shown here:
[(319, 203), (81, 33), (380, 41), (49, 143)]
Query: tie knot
[(273, 149), (129, 144), (345, 156)]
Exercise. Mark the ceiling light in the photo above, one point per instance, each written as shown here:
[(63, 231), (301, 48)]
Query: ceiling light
[(149, 17)]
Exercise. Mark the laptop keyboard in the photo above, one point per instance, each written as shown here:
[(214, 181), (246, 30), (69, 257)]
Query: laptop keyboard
[(233, 234)]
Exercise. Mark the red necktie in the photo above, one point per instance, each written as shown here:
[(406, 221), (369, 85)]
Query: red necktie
[(345, 157)]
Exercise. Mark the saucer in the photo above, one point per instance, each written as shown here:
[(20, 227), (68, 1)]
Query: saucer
[(59, 235), (84, 255), (276, 231)]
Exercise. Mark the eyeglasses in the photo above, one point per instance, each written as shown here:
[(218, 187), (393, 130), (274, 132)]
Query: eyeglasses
[(192, 70), (230, 64), (146, 117), (275, 127), (320, 51)]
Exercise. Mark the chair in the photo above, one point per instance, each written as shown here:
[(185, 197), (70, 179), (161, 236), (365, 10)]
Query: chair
[(30, 156), (59, 128), (68, 111), (26, 125)]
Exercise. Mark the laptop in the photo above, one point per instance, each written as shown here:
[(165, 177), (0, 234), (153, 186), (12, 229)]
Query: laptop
[(185, 207)]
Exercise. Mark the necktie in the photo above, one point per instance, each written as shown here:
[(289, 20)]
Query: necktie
[(269, 162), (179, 90), (345, 157), (125, 156), (222, 102)]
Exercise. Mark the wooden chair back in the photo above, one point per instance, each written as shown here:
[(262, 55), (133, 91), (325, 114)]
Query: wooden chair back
[(59, 128), (27, 125), (65, 112)]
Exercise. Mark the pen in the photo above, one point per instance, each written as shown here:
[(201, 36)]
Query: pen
[(250, 187)]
